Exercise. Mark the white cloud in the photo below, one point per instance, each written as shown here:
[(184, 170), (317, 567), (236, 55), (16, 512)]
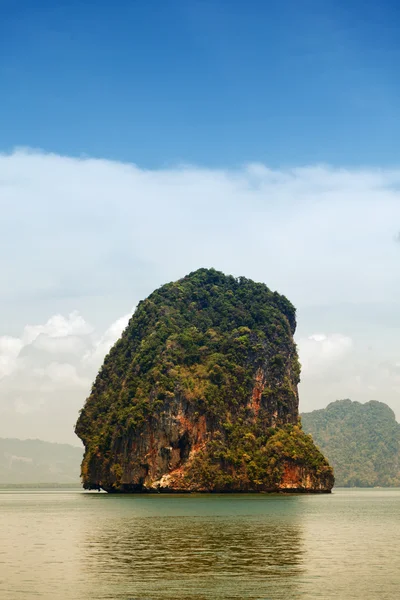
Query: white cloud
[(62, 375), (57, 327), (97, 353), (9, 349), (93, 237), (96, 226), (319, 352), (58, 335), (71, 344), (35, 384)]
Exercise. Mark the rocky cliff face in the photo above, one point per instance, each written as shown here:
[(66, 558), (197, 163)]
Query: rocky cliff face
[(200, 394)]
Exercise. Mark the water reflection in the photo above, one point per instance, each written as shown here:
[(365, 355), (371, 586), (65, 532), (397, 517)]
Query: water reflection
[(196, 555), (76, 546)]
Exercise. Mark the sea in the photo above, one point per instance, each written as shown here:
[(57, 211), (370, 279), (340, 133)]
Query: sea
[(75, 545)]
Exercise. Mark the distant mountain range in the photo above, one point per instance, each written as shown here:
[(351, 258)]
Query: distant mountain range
[(34, 461), (361, 442)]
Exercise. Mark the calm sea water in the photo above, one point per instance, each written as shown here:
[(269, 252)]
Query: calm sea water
[(88, 546)]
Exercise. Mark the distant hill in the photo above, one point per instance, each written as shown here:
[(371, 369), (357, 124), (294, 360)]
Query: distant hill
[(35, 461), (361, 442)]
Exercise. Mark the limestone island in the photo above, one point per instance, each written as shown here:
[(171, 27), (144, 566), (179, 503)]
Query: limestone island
[(200, 395)]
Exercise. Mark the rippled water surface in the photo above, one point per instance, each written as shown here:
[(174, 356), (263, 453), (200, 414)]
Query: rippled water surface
[(73, 545)]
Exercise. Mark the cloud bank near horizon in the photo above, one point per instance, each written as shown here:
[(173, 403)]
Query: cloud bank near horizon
[(83, 236), (47, 372)]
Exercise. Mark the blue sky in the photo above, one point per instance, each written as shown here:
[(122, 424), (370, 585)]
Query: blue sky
[(211, 82)]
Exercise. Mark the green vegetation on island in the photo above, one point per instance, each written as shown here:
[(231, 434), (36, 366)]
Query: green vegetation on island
[(200, 393), (361, 441)]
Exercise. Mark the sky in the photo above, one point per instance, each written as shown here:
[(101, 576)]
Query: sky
[(141, 141)]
